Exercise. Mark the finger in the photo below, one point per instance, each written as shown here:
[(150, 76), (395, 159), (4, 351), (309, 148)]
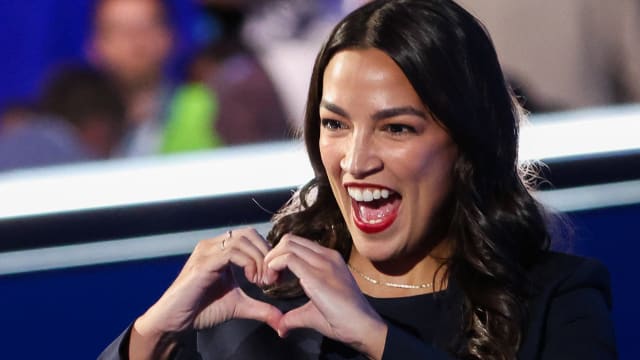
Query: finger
[(257, 239), (245, 261), (312, 245), (276, 251), (204, 278), (314, 258), (289, 243), (270, 276), (306, 316), (321, 287), (249, 308), (252, 249), (245, 245), (281, 247), (298, 266)]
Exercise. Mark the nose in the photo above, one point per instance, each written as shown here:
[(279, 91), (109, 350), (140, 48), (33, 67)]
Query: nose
[(361, 157)]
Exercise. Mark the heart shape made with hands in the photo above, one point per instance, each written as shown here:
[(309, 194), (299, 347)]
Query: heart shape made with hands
[(306, 315), (336, 305), (248, 307)]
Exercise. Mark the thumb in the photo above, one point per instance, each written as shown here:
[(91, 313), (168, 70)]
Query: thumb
[(249, 308), (306, 316)]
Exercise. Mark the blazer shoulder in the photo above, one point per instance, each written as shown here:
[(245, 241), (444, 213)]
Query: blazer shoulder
[(562, 273)]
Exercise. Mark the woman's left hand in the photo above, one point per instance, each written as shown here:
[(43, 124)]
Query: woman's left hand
[(336, 308)]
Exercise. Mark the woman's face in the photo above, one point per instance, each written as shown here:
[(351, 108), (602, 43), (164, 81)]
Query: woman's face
[(388, 162)]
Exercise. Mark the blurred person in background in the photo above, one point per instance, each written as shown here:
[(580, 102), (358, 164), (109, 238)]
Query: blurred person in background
[(80, 116), (285, 35), (132, 40), (249, 108), (15, 115), (566, 54)]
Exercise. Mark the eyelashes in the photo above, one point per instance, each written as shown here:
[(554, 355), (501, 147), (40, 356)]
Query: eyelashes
[(332, 124), (400, 129), (395, 129)]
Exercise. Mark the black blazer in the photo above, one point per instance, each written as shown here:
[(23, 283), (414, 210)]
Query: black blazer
[(569, 318)]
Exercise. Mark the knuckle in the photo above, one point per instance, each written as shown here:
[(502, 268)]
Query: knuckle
[(286, 239), (245, 230), (333, 254), (287, 258), (201, 246), (240, 241)]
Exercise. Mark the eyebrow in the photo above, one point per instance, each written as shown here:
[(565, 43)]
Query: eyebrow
[(334, 108), (379, 115), (403, 110)]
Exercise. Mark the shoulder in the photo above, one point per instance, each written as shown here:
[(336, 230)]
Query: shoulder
[(569, 310), (557, 273)]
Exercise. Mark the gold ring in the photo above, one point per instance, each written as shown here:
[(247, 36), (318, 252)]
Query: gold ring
[(225, 240)]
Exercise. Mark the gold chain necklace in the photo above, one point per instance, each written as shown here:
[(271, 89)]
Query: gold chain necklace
[(389, 284)]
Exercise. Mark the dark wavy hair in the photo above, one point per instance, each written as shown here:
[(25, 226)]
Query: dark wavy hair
[(496, 227)]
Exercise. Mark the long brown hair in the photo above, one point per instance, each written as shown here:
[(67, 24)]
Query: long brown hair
[(497, 228)]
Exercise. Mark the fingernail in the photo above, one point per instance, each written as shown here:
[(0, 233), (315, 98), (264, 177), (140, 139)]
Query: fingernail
[(268, 277)]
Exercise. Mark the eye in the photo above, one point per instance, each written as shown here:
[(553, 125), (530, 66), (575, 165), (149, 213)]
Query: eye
[(399, 129), (332, 124)]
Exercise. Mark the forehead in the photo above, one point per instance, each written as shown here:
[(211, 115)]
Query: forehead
[(374, 62), (366, 75), (110, 10)]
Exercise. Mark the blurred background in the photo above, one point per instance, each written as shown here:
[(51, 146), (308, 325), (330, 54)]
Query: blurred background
[(130, 129)]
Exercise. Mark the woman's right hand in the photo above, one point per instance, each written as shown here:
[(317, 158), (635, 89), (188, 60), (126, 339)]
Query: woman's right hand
[(205, 294)]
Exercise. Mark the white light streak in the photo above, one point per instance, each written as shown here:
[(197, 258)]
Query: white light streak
[(246, 169), (581, 133), (255, 168)]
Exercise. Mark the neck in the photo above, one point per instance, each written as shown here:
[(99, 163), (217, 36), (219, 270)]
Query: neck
[(401, 277), (143, 103), (141, 87)]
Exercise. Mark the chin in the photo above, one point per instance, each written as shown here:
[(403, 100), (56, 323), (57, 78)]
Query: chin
[(374, 251)]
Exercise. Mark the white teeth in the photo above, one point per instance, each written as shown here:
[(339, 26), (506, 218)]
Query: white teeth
[(368, 194), (356, 194), (384, 193), (376, 194)]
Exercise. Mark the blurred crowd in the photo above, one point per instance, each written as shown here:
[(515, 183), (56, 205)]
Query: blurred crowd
[(247, 82)]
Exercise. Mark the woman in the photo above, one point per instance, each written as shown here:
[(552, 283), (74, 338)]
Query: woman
[(417, 239)]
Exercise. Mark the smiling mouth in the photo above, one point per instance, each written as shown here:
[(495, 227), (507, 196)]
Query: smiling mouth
[(374, 209)]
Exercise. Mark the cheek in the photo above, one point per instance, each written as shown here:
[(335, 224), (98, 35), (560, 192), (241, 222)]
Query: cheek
[(430, 171), (330, 156), (435, 179)]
